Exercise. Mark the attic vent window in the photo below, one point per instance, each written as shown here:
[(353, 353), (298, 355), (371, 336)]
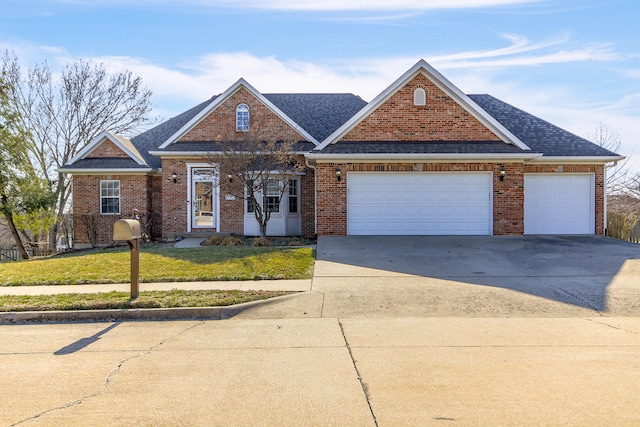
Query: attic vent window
[(419, 97), (242, 118)]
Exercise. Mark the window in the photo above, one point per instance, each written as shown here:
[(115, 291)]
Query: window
[(272, 200), (273, 196), (110, 197), (242, 118), (293, 196), (419, 97)]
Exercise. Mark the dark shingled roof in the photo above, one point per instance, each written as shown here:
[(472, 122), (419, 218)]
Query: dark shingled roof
[(154, 137), (320, 114), (540, 135), (106, 163), (421, 147)]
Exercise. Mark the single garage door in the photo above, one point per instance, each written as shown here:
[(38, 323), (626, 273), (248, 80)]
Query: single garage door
[(419, 203), (559, 204)]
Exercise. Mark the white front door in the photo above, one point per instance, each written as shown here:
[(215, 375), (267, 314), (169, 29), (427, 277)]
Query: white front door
[(285, 218), (204, 198)]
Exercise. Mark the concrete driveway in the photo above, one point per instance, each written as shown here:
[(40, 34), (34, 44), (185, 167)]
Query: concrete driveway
[(470, 276)]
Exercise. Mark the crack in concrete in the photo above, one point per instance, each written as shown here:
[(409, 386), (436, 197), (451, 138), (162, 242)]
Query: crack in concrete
[(613, 326), (108, 380), (363, 385)]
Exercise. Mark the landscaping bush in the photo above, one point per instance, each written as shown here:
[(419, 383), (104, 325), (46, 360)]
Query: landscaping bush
[(261, 241), (232, 241), (215, 240)]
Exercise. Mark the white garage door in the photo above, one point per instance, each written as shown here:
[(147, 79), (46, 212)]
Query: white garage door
[(558, 204), (419, 203)]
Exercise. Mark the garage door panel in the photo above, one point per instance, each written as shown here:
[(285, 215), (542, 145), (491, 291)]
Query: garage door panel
[(419, 203), (558, 204)]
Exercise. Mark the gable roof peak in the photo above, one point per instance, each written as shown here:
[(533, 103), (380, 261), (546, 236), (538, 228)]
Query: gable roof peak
[(443, 84), (220, 99)]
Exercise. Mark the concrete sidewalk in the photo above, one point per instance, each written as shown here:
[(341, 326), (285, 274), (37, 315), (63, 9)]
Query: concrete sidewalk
[(248, 285), (324, 372)]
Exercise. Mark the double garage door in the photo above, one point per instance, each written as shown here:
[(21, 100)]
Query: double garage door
[(419, 203), (461, 204)]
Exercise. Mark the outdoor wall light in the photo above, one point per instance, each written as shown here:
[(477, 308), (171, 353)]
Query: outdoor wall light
[(230, 178), (174, 177), (503, 172), (338, 174)]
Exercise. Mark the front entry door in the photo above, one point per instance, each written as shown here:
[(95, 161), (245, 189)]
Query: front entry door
[(204, 198)]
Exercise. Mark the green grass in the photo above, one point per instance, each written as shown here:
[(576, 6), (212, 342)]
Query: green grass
[(162, 264), (122, 300)]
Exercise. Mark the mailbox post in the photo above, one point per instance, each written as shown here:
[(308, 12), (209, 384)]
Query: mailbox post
[(129, 230)]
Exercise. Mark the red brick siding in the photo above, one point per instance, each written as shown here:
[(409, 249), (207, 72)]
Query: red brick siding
[(398, 119), (222, 121), (134, 194), (508, 195), (597, 170), (107, 149), (174, 212)]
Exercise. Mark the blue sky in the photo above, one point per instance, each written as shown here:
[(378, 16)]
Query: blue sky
[(574, 63)]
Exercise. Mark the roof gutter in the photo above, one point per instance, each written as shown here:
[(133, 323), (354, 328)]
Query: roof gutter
[(105, 171), (411, 157), (578, 159)]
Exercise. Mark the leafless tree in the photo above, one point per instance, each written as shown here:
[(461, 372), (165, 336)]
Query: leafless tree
[(617, 176), (67, 111), (257, 169)]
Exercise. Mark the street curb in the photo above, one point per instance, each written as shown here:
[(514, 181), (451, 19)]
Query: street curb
[(179, 313)]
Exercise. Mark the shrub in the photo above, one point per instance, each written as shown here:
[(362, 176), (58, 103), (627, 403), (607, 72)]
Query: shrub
[(215, 240), (232, 241), (261, 241)]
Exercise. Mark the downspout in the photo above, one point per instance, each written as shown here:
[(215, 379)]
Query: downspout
[(606, 168), (315, 196)]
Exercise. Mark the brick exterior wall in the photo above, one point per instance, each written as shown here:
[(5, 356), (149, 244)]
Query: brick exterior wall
[(508, 195), (222, 121), (134, 194), (398, 119), (175, 203), (107, 149)]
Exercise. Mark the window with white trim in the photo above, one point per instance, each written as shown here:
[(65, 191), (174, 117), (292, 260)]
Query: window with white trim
[(419, 97), (242, 118), (273, 196), (293, 196), (110, 197)]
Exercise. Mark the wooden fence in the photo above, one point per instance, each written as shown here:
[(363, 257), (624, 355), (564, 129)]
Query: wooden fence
[(623, 226)]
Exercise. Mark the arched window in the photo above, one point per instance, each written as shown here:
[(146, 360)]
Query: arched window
[(419, 97), (242, 118)]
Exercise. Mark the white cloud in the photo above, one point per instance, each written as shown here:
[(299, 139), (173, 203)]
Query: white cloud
[(485, 71)]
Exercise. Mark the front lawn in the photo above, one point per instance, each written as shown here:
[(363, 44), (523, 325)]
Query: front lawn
[(162, 264)]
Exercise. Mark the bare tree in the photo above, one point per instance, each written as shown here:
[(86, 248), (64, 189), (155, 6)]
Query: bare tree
[(256, 169), (66, 112), (617, 180)]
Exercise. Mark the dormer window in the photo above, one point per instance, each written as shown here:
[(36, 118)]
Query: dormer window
[(242, 118), (419, 97)]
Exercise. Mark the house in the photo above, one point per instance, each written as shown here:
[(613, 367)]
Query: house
[(422, 158)]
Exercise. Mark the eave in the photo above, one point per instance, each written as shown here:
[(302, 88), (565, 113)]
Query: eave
[(412, 157)]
